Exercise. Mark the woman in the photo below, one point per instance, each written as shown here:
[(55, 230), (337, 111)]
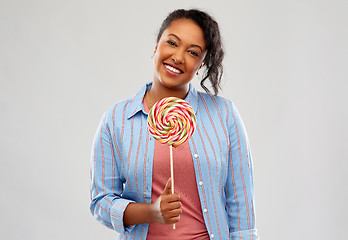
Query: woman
[(130, 184)]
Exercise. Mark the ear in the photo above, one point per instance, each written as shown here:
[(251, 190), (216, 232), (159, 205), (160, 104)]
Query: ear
[(154, 51), (200, 68), (155, 48)]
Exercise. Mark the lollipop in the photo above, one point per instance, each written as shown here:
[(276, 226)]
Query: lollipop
[(171, 121)]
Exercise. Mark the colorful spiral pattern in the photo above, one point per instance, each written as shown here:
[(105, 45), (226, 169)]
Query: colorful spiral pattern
[(171, 121)]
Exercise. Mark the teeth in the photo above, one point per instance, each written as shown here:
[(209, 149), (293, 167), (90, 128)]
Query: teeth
[(172, 69)]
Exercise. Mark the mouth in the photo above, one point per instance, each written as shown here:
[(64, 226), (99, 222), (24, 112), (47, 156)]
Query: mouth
[(173, 69)]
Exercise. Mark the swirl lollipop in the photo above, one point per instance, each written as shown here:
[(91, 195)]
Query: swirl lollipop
[(171, 121)]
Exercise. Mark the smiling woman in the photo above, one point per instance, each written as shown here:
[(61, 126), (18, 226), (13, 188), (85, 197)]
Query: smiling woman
[(130, 184), (179, 54)]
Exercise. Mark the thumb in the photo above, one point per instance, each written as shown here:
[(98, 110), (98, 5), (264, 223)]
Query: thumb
[(167, 189)]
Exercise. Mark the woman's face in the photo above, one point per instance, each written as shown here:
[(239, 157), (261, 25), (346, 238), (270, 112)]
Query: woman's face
[(179, 54)]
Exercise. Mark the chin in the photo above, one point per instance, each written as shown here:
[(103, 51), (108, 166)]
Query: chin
[(168, 84)]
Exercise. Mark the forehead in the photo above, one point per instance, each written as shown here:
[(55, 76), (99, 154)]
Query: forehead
[(187, 30)]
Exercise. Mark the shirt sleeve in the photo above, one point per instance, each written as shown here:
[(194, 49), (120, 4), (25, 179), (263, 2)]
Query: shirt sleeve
[(239, 188), (107, 204)]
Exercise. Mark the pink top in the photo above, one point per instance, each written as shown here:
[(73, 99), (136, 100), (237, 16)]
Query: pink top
[(191, 224)]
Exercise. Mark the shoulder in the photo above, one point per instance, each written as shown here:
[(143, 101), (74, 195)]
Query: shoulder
[(130, 105), (217, 106), (119, 109), (213, 103)]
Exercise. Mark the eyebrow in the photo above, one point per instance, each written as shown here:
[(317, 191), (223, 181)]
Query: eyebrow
[(192, 45)]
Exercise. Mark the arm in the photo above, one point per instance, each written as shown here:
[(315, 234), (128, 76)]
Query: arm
[(107, 204), (239, 188), (166, 209)]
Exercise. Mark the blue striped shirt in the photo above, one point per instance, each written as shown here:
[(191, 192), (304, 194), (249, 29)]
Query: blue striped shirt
[(122, 161)]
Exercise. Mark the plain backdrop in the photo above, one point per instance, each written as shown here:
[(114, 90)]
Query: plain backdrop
[(63, 63)]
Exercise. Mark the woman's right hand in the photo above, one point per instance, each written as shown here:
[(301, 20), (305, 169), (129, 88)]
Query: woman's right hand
[(167, 208)]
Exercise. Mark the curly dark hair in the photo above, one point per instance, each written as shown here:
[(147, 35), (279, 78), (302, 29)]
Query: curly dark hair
[(212, 37)]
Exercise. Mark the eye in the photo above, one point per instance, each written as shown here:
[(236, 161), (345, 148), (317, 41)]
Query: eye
[(171, 43), (193, 53)]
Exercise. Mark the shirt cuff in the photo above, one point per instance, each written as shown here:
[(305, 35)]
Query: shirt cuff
[(117, 212), (246, 234)]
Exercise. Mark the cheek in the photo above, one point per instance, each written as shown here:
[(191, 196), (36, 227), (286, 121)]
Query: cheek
[(194, 66), (157, 59), (163, 49), (158, 56)]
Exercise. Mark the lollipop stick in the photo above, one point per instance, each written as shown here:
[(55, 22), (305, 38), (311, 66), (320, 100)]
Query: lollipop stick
[(171, 167), (172, 171)]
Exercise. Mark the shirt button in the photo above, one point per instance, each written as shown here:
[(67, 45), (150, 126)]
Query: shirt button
[(205, 210), (200, 183), (212, 235), (196, 155)]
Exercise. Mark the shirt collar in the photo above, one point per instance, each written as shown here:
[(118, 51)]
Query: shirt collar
[(136, 102)]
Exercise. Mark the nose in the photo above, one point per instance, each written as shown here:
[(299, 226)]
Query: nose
[(178, 57)]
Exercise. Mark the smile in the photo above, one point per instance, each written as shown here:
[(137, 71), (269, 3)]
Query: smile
[(172, 69)]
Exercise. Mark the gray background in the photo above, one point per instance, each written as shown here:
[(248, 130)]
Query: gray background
[(62, 63)]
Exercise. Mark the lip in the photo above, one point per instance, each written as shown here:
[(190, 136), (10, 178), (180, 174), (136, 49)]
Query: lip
[(174, 66)]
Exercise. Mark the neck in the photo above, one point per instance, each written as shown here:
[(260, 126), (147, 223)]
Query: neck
[(158, 91)]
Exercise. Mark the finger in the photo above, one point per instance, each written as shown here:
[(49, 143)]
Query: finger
[(174, 205), (172, 216), (167, 189), (170, 198), (172, 213), (170, 206), (174, 219), (175, 213)]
